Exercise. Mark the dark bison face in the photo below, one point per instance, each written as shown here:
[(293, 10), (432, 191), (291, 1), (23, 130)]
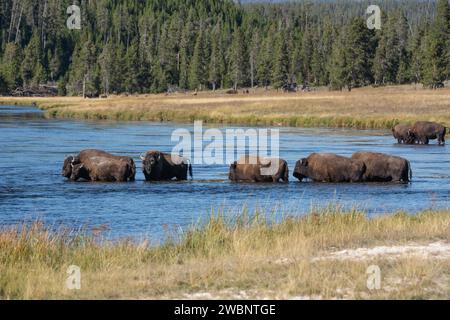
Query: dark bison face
[(69, 162), (232, 174), (67, 167), (150, 162), (301, 169), (78, 171)]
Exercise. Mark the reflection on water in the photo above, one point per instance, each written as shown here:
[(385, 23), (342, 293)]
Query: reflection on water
[(33, 149)]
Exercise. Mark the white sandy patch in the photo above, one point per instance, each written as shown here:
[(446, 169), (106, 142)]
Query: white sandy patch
[(437, 250)]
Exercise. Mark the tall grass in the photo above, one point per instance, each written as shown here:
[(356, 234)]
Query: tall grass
[(365, 108), (227, 255)]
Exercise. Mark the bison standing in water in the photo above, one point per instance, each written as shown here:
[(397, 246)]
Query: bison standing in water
[(159, 166), (259, 169), (97, 165), (422, 132), (384, 168), (401, 132), (327, 167)]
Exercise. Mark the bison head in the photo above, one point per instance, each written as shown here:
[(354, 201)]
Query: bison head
[(69, 162), (78, 172), (301, 169), (232, 174), (67, 167), (150, 161)]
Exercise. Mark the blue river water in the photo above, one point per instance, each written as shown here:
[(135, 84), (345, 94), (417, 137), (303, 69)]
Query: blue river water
[(32, 150)]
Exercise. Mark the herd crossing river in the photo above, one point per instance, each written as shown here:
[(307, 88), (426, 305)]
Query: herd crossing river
[(31, 186)]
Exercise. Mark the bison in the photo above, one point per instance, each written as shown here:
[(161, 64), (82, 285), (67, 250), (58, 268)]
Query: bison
[(159, 166), (423, 131), (327, 167), (384, 168), (259, 169), (103, 169), (401, 133), (97, 165)]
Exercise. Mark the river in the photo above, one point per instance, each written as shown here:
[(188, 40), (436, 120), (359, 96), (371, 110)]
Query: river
[(32, 150)]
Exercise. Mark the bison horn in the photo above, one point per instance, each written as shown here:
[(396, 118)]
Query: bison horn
[(141, 156)]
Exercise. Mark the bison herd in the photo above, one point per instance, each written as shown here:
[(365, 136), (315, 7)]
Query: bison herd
[(420, 133), (97, 165)]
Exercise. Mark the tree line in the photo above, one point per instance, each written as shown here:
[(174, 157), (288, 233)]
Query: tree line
[(143, 46)]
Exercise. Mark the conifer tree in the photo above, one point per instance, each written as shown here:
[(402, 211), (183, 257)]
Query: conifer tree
[(186, 50), (198, 72), (280, 70), (11, 62), (216, 65), (436, 67), (337, 66), (238, 59), (264, 62), (32, 60)]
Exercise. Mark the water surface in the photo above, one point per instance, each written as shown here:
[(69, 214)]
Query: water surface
[(32, 150)]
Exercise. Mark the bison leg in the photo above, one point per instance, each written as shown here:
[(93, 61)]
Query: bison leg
[(441, 140)]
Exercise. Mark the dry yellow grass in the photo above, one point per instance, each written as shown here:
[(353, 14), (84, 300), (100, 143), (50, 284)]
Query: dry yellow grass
[(361, 108), (244, 257)]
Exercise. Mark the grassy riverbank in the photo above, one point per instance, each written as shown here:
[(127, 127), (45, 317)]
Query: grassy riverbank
[(240, 258), (365, 108)]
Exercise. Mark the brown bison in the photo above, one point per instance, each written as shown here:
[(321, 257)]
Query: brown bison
[(97, 165), (259, 169), (401, 133), (384, 168), (84, 155), (423, 131), (159, 166), (327, 167), (103, 169)]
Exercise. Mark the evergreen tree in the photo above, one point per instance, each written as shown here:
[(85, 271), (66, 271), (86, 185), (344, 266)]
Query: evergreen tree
[(217, 63), (417, 58), (11, 62), (106, 62), (83, 76), (238, 59), (280, 70), (32, 62), (198, 72), (264, 62), (358, 53), (295, 68), (436, 67), (307, 54), (337, 66), (133, 68), (186, 50)]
